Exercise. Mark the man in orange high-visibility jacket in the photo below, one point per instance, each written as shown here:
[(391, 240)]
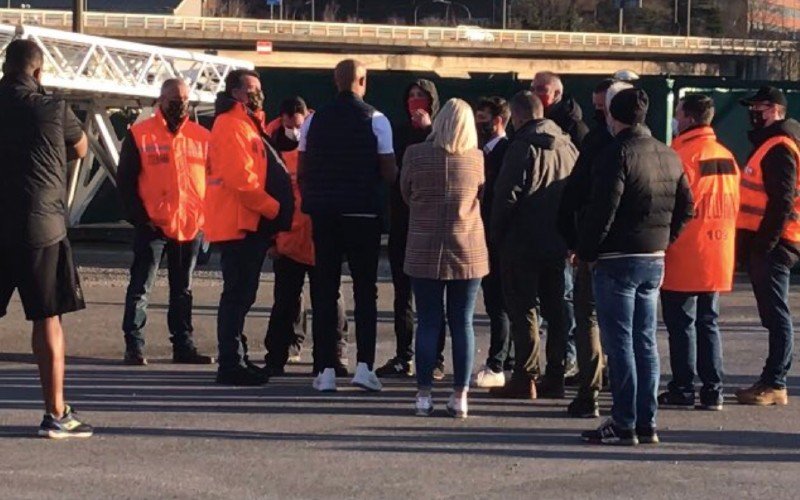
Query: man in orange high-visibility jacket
[(293, 257), (699, 264), (240, 215), (769, 234), (162, 181)]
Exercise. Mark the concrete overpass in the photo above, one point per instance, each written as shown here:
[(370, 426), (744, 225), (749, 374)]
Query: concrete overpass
[(447, 51)]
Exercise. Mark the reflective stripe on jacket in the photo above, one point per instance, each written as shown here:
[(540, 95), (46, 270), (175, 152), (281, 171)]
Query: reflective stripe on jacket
[(702, 258), (237, 174), (754, 196), (172, 181)]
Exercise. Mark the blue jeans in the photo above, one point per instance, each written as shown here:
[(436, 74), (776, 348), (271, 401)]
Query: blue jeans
[(569, 287), (626, 294), (148, 248), (429, 296), (694, 340), (770, 280)]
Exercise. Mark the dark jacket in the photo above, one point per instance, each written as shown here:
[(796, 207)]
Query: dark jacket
[(36, 129), (640, 198), (341, 171), (128, 171), (568, 115), (579, 185), (492, 163), (406, 135), (528, 191), (779, 170)]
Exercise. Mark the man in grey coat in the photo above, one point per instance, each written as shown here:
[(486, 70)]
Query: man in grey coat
[(532, 252)]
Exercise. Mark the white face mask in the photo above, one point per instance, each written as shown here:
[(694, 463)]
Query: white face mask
[(675, 130), (292, 134)]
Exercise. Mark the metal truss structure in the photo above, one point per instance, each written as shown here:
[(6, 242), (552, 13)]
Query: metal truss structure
[(99, 76)]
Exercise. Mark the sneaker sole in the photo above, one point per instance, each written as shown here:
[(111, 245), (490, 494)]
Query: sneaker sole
[(676, 407), (394, 375), (366, 387), (49, 434), (595, 414), (709, 407), (616, 442), (649, 440)]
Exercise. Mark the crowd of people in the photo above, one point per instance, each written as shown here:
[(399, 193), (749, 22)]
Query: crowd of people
[(582, 229)]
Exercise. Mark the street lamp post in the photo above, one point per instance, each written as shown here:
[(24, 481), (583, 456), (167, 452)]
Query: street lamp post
[(688, 17)]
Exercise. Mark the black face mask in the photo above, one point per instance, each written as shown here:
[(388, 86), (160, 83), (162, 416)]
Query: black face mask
[(600, 116), (255, 100), (757, 119), (175, 113)]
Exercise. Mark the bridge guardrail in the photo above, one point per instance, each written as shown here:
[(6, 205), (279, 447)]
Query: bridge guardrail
[(411, 34)]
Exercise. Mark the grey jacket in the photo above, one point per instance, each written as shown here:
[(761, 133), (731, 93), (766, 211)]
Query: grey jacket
[(528, 192)]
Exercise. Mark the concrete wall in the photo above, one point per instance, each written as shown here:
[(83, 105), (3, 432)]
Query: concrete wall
[(190, 8)]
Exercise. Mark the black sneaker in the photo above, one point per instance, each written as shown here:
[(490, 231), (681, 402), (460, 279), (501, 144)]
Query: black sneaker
[(396, 368), (647, 435), (341, 369), (241, 377), (711, 401), (676, 400), (438, 371), (191, 357), (65, 427), (583, 408), (610, 434), (271, 370), (134, 357), (550, 388)]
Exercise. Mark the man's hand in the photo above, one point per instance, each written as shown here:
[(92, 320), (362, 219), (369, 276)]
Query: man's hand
[(572, 259), (421, 119)]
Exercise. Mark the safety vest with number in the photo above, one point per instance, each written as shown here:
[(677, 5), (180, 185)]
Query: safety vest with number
[(702, 258), (754, 196)]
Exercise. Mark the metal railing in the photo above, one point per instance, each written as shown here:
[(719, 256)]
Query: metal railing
[(317, 32)]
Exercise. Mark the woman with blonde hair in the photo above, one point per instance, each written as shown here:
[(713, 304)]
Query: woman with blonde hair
[(442, 182)]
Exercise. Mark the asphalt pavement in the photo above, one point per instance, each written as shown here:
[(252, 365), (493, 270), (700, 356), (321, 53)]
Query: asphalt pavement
[(166, 431)]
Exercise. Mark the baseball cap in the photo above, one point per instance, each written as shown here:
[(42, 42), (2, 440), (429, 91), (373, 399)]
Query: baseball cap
[(768, 94)]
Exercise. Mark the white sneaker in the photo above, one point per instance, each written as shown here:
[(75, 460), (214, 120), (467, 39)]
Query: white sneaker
[(424, 406), (366, 379), (325, 381), (486, 378), (457, 408)]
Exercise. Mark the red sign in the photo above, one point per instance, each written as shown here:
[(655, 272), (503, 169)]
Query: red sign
[(264, 47)]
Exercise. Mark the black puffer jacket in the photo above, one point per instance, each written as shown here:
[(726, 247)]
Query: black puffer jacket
[(579, 185), (640, 198), (528, 191), (780, 178), (568, 115), (406, 135)]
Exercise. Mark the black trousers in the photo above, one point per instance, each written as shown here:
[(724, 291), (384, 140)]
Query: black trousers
[(501, 348), (241, 262), (288, 321), (148, 248), (404, 300), (358, 240), (525, 281)]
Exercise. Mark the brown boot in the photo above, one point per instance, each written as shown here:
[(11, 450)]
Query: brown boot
[(762, 395), (516, 388)]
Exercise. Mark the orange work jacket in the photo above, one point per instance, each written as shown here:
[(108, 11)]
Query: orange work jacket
[(172, 182), (754, 196), (702, 258), (237, 174), (297, 243)]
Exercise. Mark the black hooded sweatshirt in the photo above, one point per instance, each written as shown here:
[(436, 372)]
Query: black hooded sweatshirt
[(780, 179), (406, 135), (568, 115)]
